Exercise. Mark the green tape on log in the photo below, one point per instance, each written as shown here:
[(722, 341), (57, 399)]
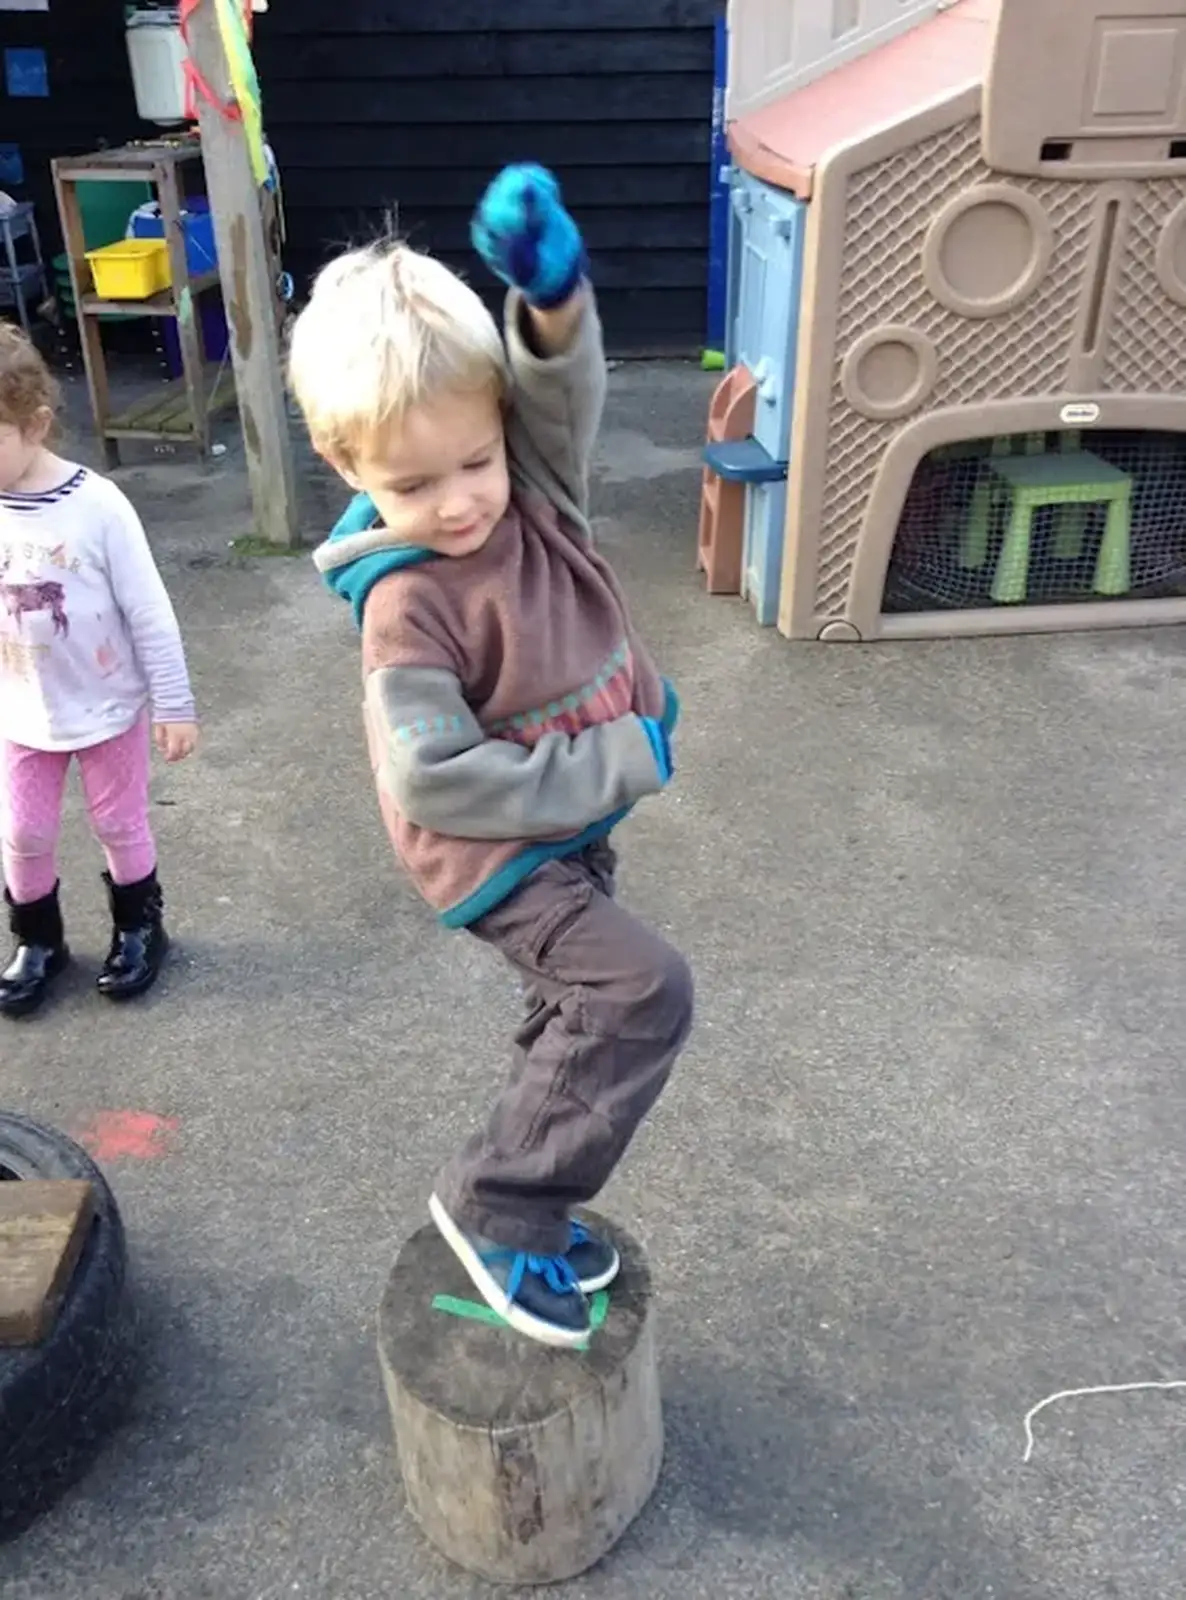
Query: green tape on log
[(478, 1311)]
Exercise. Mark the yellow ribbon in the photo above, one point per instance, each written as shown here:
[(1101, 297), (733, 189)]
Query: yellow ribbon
[(244, 82)]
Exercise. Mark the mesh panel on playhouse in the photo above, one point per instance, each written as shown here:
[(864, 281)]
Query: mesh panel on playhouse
[(1043, 519)]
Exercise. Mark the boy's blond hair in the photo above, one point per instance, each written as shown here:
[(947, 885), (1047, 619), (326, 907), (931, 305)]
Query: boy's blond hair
[(385, 329)]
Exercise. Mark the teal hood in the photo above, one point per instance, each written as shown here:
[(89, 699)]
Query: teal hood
[(359, 552)]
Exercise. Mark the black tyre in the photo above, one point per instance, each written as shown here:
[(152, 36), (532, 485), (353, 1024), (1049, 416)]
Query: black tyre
[(60, 1399)]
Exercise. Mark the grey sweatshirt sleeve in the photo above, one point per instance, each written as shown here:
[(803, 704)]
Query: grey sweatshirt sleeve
[(141, 596), (443, 773), (556, 411)]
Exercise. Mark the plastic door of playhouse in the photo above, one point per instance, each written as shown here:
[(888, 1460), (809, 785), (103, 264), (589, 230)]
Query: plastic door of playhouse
[(761, 550), (766, 268)]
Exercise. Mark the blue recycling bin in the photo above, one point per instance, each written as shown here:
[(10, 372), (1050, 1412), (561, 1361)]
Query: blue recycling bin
[(718, 192)]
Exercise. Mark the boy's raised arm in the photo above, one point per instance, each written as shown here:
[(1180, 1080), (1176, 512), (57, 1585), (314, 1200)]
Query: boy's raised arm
[(527, 238)]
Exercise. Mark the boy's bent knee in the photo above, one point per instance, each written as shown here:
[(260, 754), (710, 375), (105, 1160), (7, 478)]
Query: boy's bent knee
[(661, 1000)]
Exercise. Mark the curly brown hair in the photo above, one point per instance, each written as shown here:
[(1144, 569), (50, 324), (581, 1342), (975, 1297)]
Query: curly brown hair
[(26, 384)]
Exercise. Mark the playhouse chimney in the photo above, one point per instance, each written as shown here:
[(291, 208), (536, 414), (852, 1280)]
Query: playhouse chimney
[(1087, 89)]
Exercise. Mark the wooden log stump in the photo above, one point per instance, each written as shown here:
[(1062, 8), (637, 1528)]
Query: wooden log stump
[(522, 1463)]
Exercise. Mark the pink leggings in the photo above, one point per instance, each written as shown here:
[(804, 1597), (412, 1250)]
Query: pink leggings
[(115, 783)]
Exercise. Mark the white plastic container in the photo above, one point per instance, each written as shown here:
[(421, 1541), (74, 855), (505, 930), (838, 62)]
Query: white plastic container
[(156, 53)]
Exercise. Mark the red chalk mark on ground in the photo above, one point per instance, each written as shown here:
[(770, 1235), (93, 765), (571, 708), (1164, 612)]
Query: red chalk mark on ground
[(128, 1135)]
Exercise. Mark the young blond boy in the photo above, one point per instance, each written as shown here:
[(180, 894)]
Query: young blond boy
[(513, 715)]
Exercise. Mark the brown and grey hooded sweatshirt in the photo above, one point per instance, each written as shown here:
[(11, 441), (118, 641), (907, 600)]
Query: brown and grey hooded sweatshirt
[(512, 713)]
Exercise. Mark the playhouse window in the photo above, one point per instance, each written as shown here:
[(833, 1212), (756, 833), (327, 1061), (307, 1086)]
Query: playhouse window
[(1042, 519), (846, 17)]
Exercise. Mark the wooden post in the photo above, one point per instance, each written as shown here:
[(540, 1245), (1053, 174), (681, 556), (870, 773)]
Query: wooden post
[(43, 1227), (89, 334), (189, 337), (522, 1463), (248, 273)]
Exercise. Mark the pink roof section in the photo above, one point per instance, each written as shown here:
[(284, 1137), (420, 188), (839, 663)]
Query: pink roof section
[(784, 142)]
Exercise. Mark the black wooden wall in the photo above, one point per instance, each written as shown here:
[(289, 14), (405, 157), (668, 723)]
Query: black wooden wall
[(90, 102), (410, 106)]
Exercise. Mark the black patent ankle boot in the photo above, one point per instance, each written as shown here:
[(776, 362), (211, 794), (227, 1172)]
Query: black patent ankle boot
[(39, 957), (139, 942)]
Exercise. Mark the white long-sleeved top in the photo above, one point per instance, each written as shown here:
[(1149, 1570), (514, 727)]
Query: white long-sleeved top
[(88, 635)]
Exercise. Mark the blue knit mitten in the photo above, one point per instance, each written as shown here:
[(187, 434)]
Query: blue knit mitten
[(526, 237)]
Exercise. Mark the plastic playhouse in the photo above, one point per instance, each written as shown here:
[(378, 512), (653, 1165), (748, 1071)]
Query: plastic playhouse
[(955, 397)]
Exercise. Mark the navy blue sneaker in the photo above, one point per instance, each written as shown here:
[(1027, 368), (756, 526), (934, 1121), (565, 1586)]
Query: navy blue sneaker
[(593, 1259), (539, 1296)]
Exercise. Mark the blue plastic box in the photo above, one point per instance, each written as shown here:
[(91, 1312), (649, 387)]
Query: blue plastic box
[(198, 227)]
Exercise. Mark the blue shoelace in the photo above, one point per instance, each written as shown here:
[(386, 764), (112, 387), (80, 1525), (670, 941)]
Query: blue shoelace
[(554, 1270)]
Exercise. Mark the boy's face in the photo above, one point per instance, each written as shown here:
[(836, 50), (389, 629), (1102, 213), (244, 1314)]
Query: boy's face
[(438, 476)]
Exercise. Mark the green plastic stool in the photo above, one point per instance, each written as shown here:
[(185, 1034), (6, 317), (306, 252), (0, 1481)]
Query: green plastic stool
[(1072, 520), (974, 546), (1076, 479)]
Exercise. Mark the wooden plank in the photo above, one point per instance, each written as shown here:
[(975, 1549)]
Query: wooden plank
[(96, 27), (482, 100), (559, 143), (180, 148), (446, 228), (77, 171), (653, 320), (157, 305), (174, 413), (43, 1227), (144, 414), (378, 188), (248, 273), (219, 391), (303, 17), (89, 335), (149, 435), (188, 330), (165, 412), (612, 269), (398, 57), (73, 124), (128, 162)]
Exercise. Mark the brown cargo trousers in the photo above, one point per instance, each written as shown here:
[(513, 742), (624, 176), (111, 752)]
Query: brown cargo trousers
[(609, 1007)]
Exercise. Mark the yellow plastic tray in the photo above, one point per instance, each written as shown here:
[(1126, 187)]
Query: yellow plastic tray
[(130, 269)]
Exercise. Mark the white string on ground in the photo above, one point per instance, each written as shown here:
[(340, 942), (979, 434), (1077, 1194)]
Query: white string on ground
[(1076, 1394)]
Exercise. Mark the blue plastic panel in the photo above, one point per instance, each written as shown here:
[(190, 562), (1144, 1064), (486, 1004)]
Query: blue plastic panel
[(761, 557), (765, 283)]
